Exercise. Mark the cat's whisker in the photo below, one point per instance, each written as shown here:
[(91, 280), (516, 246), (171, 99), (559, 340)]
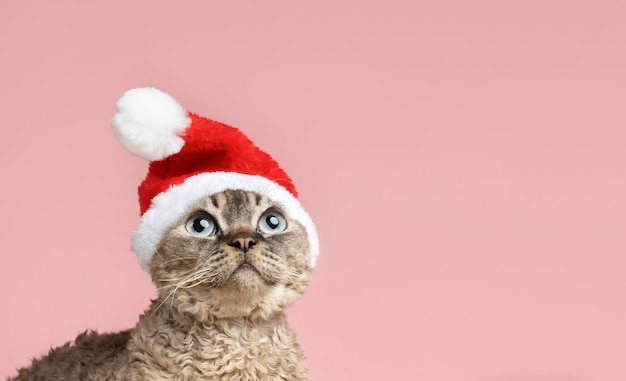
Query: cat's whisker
[(193, 271), (199, 282), (196, 278), (157, 308), (179, 259), (184, 279)]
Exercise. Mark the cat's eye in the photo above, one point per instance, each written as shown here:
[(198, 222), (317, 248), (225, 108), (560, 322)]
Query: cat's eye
[(201, 225), (272, 222)]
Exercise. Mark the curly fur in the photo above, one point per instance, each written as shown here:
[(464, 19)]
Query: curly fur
[(221, 350), (91, 356), (219, 314)]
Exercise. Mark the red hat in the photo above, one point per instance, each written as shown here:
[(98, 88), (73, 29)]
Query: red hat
[(193, 157)]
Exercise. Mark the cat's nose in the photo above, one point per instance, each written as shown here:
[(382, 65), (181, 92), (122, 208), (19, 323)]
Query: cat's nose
[(243, 243)]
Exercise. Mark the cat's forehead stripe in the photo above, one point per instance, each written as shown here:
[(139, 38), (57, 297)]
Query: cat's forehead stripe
[(214, 200), (234, 204), (237, 205)]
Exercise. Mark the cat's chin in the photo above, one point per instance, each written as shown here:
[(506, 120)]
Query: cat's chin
[(246, 270), (247, 280), (244, 296)]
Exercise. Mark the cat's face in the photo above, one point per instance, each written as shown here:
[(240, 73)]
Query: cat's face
[(234, 254)]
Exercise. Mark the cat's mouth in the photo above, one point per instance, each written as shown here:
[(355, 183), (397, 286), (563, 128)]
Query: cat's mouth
[(247, 267), (248, 272)]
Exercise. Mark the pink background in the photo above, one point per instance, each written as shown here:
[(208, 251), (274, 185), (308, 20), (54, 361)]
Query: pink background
[(465, 163)]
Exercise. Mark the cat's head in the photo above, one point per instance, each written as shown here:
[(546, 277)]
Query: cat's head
[(222, 232), (232, 254)]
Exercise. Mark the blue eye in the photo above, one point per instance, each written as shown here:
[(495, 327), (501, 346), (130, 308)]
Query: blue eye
[(272, 222), (201, 225)]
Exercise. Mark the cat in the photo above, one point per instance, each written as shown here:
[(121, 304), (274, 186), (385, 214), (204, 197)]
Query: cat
[(225, 272)]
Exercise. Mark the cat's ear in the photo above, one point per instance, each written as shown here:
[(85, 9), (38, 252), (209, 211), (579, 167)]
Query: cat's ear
[(149, 122)]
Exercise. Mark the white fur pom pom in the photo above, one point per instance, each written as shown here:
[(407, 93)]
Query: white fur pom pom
[(148, 123)]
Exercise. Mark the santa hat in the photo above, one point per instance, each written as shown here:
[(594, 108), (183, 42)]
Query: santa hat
[(193, 157)]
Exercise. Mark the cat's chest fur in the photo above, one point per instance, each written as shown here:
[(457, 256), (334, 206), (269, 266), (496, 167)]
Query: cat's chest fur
[(216, 351)]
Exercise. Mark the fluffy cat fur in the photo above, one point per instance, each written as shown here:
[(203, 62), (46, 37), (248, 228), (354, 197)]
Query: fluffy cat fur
[(219, 314)]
